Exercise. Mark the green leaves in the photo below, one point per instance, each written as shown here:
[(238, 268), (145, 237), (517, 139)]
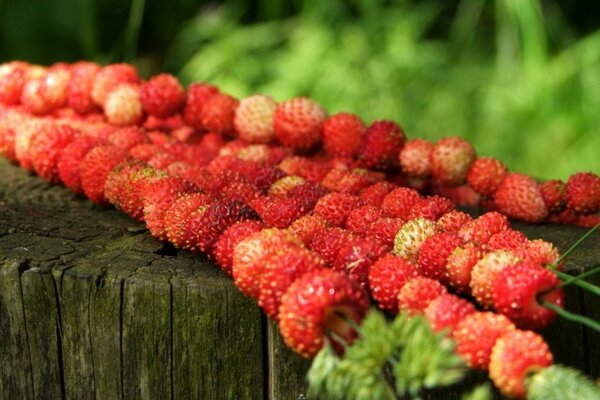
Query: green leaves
[(561, 383)]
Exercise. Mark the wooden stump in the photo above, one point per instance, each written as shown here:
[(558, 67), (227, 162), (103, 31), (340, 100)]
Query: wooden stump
[(91, 306)]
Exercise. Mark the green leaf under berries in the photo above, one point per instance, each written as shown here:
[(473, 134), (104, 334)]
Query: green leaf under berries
[(561, 383), (481, 392)]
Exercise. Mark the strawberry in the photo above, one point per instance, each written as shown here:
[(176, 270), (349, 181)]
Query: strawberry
[(459, 265), (485, 273), (481, 229), (71, 157), (415, 158), (32, 98), (279, 212), (197, 96), (9, 124), (352, 181), (178, 213), (253, 119), (452, 221), (583, 193), (541, 252), (451, 159), (240, 190), (118, 178), (128, 137), (169, 124), (417, 293), (305, 227), (554, 193), (381, 144), (13, 76), (327, 242), (53, 87), (162, 95), (79, 90), (399, 202), (223, 251), (485, 175), (335, 207), (46, 148), (519, 197), (385, 230), (218, 112), (461, 195), (508, 239), (144, 151), (587, 220), (342, 134), (433, 254), (298, 123), (411, 237), (310, 170), (123, 106), (446, 311), (360, 219), (519, 290), (515, 356), (109, 78), (132, 192), (356, 257), (94, 169), (161, 160), (311, 307), (282, 186), (476, 334), (386, 277), (281, 270), (373, 195), (431, 207)]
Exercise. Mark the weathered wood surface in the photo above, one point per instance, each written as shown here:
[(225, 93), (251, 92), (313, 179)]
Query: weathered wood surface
[(92, 307)]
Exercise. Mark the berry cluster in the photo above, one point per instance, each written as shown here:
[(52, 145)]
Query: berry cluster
[(311, 237)]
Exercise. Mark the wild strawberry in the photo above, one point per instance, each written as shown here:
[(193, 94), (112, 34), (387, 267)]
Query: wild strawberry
[(254, 152), (356, 257), (327, 242), (342, 134), (144, 151), (411, 237), (385, 230), (415, 158), (360, 219), (128, 137), (587, 220), (109, 78), (223, 251), (158, 196), (259, 174), (519, 197), (347, 181), (218, 113), (54, 85), (161, 160), (485, 273), (554, 193), (446, 311), (32, 98), (386, 277), (123, 106), (305, 227), (240, 190), (417, 293), (311, 307), (249, 257), (335, 207), (279, 212), (197, 96), (461, 195), (94, 169), (162, 95), (79, 90), (298, 122), (399, 202), (519, 290), (13, 76), (46, 148), (452, 221), (178, 213), (433, 255), (118, 178), (70, 159), (373, 195), (451, 159), (9, 124), (583, 193), (133, 190), (431, 207), (476, 334), (459, 265), (309, 193), (508, 239), (171, 124), (310, 170), (515, 356), (381, 144), (281, 270), (485, 175), (254, 119), (481, 229), (282, 186)]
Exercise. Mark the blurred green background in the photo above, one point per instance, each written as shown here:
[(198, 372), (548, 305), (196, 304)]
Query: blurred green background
[(520, 79)]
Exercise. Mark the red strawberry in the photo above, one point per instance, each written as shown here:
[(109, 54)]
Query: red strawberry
[(9, 124), (254, 119), (281, 270), (509, 239), (374, 194), (431, 207), (519, 290), (485, 274), (411, 237), (54, 85), (309, 193), (452, 221), (311, 306), (310, 170), (118, 178), (515, 356), (178, 213), (197, 96), (583, 192), (218, 112), (433, 254), (298, 122), (446, 311), (46, 148), (519, 197), (335, 207), (133, 190), (24, 132), (173, 124), (240, 190), (70, 159), (554, 193), (327, 242), (360, 219), (476, 335), (230, 237), (415, 158), (79, 90), (417, 293), (94, 169), (162, 95), (587, 220), (282, 186), (459, 265), (342, 135), (385, 230), (127, 138), (485, 175), (13, 76), (109, 78), (32, 98), (279, 212), (399, 202), (461, 195), (123, 106), (161, 160), (353, 181), (451, 159), (381, 144), (144, 151), (386, 277), (356, 257), (304, 228), (481, 229), (541, 252)]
